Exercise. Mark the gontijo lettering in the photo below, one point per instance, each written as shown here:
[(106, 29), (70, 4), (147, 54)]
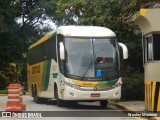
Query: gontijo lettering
[(36, 69)]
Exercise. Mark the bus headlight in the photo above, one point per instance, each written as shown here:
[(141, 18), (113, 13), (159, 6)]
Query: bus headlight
[(70, 84), (119, 83)]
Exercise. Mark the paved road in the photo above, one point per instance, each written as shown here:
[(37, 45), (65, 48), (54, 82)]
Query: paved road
[(89, 111)]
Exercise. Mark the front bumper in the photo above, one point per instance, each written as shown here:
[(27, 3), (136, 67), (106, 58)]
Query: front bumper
[(70, 93)]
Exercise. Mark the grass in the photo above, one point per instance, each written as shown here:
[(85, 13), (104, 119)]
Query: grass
[(3, 92)]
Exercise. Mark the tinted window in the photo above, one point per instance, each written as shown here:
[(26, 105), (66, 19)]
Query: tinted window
[(43, 51)]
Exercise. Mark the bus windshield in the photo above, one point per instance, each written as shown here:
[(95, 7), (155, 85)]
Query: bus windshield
[(91, 57)]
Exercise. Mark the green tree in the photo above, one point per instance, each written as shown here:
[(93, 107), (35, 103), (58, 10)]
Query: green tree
[(21, 24)]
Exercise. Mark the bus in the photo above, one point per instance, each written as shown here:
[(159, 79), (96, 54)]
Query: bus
[(75, 63)]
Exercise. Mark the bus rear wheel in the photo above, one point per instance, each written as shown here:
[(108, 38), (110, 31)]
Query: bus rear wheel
[(103, 104), (35, 97), (58, 101)]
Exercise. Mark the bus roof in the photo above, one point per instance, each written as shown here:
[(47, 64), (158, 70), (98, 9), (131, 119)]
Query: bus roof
[(85, 31), (78, 31)]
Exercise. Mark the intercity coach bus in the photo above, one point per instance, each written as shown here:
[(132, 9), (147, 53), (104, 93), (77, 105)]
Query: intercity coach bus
[(75, 63)]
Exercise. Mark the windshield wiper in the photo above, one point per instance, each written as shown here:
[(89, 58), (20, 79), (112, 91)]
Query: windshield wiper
[(87, 68)]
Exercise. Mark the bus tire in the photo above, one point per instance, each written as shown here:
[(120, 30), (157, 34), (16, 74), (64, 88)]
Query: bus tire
[(103, 104), (35, 97), (32, 91), (58, 101)]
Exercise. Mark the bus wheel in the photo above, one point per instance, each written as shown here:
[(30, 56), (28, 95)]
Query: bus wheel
[(58, 101), (103, 104), (35, 97), (32, 91)]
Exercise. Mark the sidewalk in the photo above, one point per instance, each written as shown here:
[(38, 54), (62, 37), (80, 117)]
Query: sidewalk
[(3, 101), (133, 105), (136, 107)]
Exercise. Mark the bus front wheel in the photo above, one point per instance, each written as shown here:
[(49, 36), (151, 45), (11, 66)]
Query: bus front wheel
[(103, 104), (58, 101)]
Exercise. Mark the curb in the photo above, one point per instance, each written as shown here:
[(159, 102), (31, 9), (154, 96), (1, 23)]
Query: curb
[(3, 94), (123, 106), (7, 94), (133, 110)]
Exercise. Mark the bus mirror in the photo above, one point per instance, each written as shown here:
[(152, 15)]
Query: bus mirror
[(62, 52), (125, 50)]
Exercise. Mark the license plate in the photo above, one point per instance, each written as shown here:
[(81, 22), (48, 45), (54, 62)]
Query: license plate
[(95, 94)]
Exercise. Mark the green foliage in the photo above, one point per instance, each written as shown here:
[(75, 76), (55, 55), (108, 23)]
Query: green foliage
[(3, 92), (135, 58), (20, 25), (10, 48), (133, 85), (113, 14), (3, 80), (8, 75), (7, 15)]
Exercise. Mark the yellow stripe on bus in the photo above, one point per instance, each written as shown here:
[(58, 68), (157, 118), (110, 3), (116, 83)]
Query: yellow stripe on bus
[(84, 84), (46, 37)]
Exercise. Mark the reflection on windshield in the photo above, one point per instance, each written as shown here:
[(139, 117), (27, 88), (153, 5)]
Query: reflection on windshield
[(105, 50), (78, 56), (80, 52)]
